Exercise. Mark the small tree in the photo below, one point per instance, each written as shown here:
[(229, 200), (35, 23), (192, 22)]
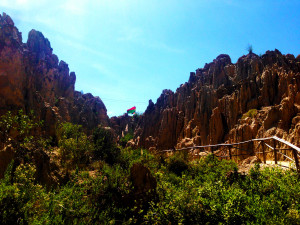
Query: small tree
[(123, 141), (105, 147), (250, 49), (73, 142), (20, 129)]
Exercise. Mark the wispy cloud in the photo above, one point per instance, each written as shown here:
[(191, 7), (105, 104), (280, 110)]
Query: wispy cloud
[(103, 70), (21, 4), (134, 34), (164, 46), (66, 17), (138, 36), (75, 7), (97, 53), (85, 48)]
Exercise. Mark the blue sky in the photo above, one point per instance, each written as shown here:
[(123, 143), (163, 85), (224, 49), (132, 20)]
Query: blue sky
[(128, 51)]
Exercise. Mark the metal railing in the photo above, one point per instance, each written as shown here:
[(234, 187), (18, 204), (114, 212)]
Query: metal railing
[(271, 142)]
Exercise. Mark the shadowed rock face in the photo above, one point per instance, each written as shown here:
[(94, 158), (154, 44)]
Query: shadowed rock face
[(32, 78), (208, 109), (123, 124)]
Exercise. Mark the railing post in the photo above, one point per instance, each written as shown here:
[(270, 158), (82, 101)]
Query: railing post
[(263, 150), (275, 151), (296, 160), (251, 148), (229, 148)]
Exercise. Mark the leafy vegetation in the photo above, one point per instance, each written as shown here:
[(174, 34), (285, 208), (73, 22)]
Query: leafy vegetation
[(20, 130), (205, 191), (124, 140), (73, 143), (105, 147), (251, 113)]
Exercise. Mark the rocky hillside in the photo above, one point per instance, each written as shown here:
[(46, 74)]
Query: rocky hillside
[(33, 78), (258, 96)]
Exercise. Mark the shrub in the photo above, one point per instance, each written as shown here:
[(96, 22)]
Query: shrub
[(123, 141), (201, 195), (251, 113), (177, 164), (105, 147), (23, 200), (20, 129), (74, 143), (250, 49)]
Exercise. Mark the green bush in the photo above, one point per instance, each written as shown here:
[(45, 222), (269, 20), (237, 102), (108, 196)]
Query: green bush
[(105, 147), (198, 192), (73, 143), (251, 113), (177, 164), (20, 130), (123, 141), (22, 201)]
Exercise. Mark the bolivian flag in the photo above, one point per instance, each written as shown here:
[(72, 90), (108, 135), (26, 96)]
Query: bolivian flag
[(131, 110)]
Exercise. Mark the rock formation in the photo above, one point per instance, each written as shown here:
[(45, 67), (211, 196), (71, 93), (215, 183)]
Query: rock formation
[(209, 108), (123, 124), (212, 107), (32, 78)]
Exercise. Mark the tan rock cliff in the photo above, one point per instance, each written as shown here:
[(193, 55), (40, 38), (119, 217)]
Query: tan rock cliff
[(32, 78), (208, 109)]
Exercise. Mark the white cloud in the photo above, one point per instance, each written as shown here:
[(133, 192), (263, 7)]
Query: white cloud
[(138, 36), (66, 17), (22, 4), (75, 7), (133, 34), (110, 113), (103, 70), (101, 54), (164, 46), (85, 48)]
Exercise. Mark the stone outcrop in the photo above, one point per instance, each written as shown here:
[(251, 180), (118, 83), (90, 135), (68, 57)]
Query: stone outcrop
[(212, 106), (124, 124), (33, 78)]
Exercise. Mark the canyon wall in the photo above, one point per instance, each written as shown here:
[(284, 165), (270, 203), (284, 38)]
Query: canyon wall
[(33, 78), (215, 105), (212, 107)]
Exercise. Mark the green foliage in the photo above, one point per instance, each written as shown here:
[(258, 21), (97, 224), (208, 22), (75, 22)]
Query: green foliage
[(177, 164), (251, 113), (56, 101), (123, 141), (204, 196), (206, 191), (105, 147), (20, 129), (23, 201), (73, 143)]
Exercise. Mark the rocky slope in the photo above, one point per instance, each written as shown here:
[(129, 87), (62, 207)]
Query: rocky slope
[(32, 78), (209, 108)]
